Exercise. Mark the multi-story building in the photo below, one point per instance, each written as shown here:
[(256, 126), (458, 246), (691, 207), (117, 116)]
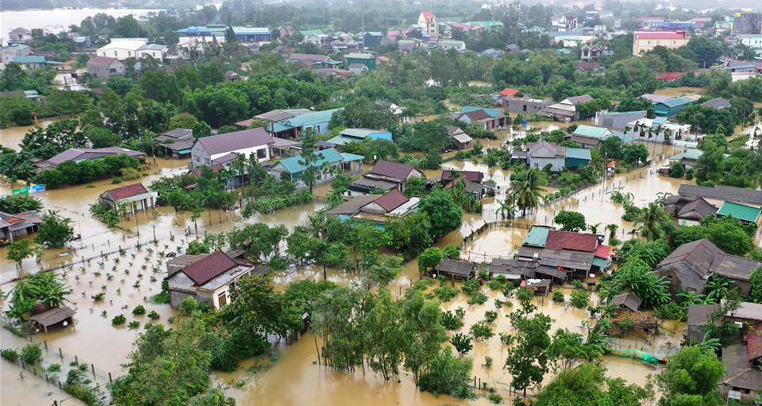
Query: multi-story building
[(747, 23), (427, 21), (644, 41)]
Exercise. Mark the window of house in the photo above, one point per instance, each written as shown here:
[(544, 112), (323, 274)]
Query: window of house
[(262, 153), (222, 299), (208, 161), (525, 107)]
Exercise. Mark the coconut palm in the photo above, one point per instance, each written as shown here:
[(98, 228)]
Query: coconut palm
[(528, 191), (594, 227), (612, 230), (506, 207), (652, 221)]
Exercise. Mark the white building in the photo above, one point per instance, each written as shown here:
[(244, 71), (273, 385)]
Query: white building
[(680, 133), (753, 41), (427, 21), (124, 48), (220, 148)]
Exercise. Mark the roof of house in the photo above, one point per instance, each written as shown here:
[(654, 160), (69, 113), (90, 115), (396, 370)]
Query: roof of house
[(655, 98), (492, 112), (700, 314), (670, 76), (747, 311), (84, 153), (102, 61), (53, 316), (566, 258), (281, 114), (567, 240), (754, 342), (660, 35), (308, 57), (727, 193), (544, 149), (740, 212), (476, 115), (295, 164), (509, 92), (428, 15), (677, 101), (717, 103), (353, 205), (537, 236), (592, 131), (628, 300), (311, 117), (127, 191), (359, 55), (29, 59), (525, 268), (391, 200), (579, 153), (473, 176), (739, 372), (576, 100), (394, 170), (234, 141), (210, 267), (177, 133), (455, 266), (696, 210), (692, 154)]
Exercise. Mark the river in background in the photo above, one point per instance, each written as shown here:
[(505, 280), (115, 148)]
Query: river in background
[(59, 19)]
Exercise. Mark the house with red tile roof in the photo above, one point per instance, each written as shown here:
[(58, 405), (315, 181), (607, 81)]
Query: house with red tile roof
[(13, 226), (130, 198), (210, 279)]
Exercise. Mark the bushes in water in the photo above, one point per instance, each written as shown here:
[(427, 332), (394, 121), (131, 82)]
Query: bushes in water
[(267, 205)]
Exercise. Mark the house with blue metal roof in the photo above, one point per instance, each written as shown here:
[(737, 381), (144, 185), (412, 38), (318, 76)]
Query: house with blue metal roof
[(326, 160), (672, 106), (360, 134), (293, 126), (589, 136), (34, 61), (243, 34)]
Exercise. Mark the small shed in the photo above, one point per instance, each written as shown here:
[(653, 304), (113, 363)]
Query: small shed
[(52, 317), (540, 287), (456, 269), (628, 300)]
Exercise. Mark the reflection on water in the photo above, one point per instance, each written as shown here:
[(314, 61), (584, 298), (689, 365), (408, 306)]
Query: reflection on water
[(11, 137)]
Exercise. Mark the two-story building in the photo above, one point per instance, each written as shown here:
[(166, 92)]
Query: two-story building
[(216, 148), (644, 41)]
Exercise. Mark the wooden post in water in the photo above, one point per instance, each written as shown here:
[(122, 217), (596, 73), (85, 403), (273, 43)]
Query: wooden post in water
[(92, 368), (317, 349), (60, 352)]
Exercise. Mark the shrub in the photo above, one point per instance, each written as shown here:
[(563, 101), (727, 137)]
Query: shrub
[(580, 299), (462, 343), (10, 354), (479, 298), (153, 315), (481, 331), (490, 316), (139, 310), (488, 361), (495, 398), (133, 325), (77, 386), (445, 293), (558, 296), (31, 354), (118, 320), (452, 321), (54, 368)]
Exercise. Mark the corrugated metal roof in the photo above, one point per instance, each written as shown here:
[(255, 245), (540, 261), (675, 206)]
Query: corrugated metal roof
[(592, 131), (740, 211), (578, 153), (537, 236), (295, 164), (322, 116)]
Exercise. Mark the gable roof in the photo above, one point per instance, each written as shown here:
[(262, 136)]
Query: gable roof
[(726, 193), (696, 210), (391, 200), (311, 118), (660, 35), (394, 170), (79, 154), (476, 115), (739, 372), (236, 140), (102, 61), (494, 113), (210, 267), (509, 92), (627, 299), (454, 266), (544, 149), (567, 240), (576, 100), (677, 101), (717, 103), (473, 176), (353, 205), (537, 236), (127, 191), (699, 314)]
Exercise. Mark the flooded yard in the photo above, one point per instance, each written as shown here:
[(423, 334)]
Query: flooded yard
[(295, 378)]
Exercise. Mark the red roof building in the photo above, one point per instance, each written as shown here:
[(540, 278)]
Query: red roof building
[(669, 76), (567, 240), (509, 92), (130, 198)]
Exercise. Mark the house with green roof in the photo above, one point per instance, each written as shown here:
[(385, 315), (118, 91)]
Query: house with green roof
[(672, 106), (34, 61), (291, 127), (689, 157), (362, 58), (329, 161), (358, 135), (742, 212), (490, 119), (589, 136)]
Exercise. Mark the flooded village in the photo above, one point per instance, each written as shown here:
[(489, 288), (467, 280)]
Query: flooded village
[(447, 204)]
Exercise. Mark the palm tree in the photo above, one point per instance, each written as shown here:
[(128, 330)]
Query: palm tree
[(506, 207), (594, 227), (612, 231), (652, 220), (528, 191)]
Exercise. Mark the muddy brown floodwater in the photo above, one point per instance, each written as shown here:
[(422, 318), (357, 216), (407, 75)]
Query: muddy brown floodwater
[(11, 137), (295, 378)]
